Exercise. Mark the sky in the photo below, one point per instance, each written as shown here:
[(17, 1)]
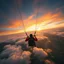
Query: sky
[(19, 15)]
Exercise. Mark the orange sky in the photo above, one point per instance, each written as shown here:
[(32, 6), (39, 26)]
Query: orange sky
[(46, 21)]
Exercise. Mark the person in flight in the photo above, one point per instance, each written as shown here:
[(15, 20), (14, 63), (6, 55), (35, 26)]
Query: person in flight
[(31, 40)]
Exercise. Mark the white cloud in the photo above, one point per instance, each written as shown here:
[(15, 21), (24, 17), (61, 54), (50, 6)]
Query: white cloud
[(16, 55), (9, 49), (39, 52)]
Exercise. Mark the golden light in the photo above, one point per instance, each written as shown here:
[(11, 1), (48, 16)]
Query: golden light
[(46, 21), (43, 26)]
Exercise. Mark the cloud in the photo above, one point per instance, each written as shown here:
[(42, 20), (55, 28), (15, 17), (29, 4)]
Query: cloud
[(17, 58), (49, 62), (15, 23), (23, 58), (39, 52), (48, 50), (12, 23), (15, 55), (9, 49), (10, 32), (44, 21), (23, 44)]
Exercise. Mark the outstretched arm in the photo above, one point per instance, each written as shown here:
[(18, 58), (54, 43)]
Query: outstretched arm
[(35, 38), (27, 38)]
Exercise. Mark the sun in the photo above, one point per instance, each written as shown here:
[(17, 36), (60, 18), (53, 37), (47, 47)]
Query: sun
[(41, 26)]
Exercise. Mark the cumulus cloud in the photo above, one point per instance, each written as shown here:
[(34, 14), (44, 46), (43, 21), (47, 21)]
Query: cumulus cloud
[(23, 44), (9, 49), (49, 62), (15, 55), (48, 50), (20, 58), (17, 58), (39, 52)]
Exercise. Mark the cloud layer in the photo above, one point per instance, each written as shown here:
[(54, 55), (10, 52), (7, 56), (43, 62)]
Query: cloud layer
[(13, 54)]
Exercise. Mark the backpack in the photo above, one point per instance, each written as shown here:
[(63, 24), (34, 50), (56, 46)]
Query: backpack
[(31, 42)]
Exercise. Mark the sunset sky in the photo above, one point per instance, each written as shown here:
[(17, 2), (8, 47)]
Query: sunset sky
[(15, 13)]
